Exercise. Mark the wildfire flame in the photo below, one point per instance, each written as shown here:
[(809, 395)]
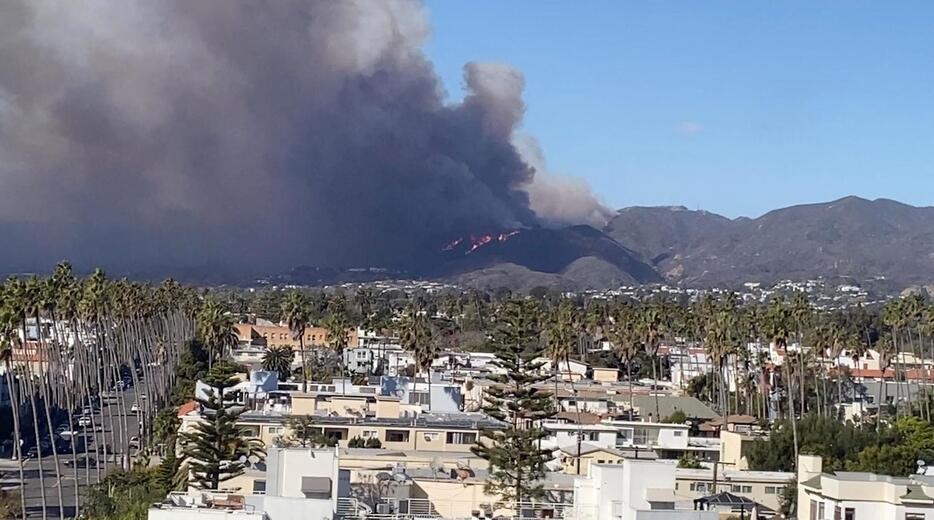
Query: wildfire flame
[(477, 241)]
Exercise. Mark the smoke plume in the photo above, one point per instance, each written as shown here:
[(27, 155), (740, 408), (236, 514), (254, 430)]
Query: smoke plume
[(146, 135)]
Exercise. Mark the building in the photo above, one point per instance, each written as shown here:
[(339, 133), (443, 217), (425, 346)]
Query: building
[(633, 490), (848, 495), (293, 484), (265, 335), (577, 460), (669, 441), (564, 435), (432, 432), (762, 487)]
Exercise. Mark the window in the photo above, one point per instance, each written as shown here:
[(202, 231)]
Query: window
[(772, 490), (397, 436), (461, 438), (259, 487), (700, 487), (431, 436), (368, 434), (590, 436), (418, 398), (679, 433), (914, 516), (742, 489), (849, 513), (275, 430), (820, 511)]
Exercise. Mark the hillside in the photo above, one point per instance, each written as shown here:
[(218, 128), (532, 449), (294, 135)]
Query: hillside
[(851, 237)]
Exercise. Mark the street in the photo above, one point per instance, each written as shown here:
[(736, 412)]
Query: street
[(9, 469)]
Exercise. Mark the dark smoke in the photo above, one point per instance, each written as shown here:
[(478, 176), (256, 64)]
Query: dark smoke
[(249, 135)]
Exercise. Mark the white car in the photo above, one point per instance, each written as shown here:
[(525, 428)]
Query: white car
[(135, 407), (84, 421)]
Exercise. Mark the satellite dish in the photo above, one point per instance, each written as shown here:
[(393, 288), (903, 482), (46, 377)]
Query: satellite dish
[(920, 463), (242, 458), (400, 477), (253, 459)]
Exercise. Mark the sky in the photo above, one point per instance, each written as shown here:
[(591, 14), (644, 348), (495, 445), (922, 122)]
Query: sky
[(731, 107)]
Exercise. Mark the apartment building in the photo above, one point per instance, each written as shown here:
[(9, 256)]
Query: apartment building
[(431, 432), (295, 484), (669, 441), (265, 334), (848, 495), (634, 490), (563, 435), (762, 487)]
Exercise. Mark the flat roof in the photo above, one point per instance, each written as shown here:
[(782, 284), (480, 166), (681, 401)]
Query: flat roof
[(471, 421)]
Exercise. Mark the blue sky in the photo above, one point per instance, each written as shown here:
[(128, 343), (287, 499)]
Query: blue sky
[(734, 107)]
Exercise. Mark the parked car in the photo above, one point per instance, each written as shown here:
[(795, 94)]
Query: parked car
[(84, 421), (135, 407), (81, 462)]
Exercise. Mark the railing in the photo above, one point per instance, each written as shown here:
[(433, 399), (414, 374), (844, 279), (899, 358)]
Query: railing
[(421, 508)]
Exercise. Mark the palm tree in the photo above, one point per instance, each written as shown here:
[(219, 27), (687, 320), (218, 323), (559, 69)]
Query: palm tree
[(21, 302), (776, 327), (560, 337), (624, 336), (8, 324), (216, 329), (415, 335), (650, 325), (296, 314), (801, 313), (887, 351), (279, 360), (337, 330)]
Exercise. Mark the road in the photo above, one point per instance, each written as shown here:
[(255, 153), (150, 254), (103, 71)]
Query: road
[(9, 469)]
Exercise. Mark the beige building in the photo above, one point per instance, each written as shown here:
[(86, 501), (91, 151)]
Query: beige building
[(280, 335), (594, 454), (431, 432), (763, 487), (733, 448)]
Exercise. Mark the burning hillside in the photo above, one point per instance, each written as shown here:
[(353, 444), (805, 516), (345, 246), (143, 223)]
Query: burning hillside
[(475, 241)]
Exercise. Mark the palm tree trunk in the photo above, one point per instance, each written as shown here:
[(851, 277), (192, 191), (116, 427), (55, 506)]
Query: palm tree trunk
[(791, 412), (301, 349), (17, 447), (45, 393), (632, 407), (654, 388)]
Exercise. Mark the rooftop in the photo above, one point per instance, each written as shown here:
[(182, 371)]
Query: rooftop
[(465, 420)]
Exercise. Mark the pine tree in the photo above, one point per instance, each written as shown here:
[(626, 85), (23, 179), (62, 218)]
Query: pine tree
[(212, 451), (517, 463)]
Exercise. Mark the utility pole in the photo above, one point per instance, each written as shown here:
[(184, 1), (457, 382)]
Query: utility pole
[(716, 465)]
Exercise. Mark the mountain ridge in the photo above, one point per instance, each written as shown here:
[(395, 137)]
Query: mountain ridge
[(851, 236)]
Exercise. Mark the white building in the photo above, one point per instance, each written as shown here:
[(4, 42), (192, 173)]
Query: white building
[(633, 490), (300, 484), (846, 495), (564, 435)]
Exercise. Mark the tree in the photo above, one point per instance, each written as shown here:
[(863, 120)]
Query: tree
[(338, 327), (560, 338), (212, 451), (216, 329), (296, 314), (689, 461), (624, 336), (776, 328), (415, 335), (517, 462), (279, 360)]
